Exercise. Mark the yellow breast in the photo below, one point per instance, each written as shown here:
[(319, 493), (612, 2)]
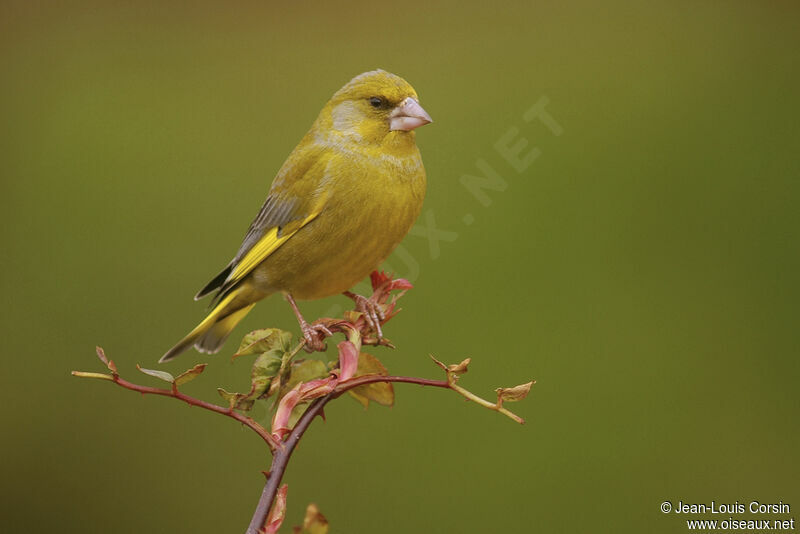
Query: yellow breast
[(373, 198)]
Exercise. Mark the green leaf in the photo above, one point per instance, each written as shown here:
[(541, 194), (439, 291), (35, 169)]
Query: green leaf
[(163, 375), (304, 371), (264, 340), (265, 368), (313, 523), (238, 401), (245, 404), (297, 413), (84, 374), (190, 375), (352, 316), (301, 371), (380, 392)]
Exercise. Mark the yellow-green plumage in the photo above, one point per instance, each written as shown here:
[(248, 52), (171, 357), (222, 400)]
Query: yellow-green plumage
[(343, 200)]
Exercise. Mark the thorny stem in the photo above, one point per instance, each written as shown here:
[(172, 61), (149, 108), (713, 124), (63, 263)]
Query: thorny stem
[(280, 460), (281, 457), (176, 394), (282, 451)]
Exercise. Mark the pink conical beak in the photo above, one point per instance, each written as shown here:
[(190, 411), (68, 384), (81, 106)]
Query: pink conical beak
[(408, 115)]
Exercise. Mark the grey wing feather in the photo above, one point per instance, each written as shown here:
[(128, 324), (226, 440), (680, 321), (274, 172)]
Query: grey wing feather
[(275, 211)]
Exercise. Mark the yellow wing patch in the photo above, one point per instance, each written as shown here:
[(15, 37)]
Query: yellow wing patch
[(266, 246)]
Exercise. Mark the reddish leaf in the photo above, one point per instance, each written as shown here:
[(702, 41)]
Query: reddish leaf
[(456, 369), (348, 360), (399, 283), (378, 278), (280, 421), (460, 368), (516, 393), (437, 362), (102, 355), (317, 388), (277, 513), (304, 371), (103, 358)]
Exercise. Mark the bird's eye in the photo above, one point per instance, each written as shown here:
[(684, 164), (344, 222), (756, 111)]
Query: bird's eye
[(376, 101)]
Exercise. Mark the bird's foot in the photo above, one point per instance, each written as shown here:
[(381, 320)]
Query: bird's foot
[(315, 335), (373, 312)]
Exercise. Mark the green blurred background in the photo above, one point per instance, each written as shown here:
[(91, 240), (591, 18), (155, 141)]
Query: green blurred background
[(644, 269)]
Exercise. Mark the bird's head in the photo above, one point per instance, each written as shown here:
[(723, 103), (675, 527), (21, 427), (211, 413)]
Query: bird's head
[(374, 106)]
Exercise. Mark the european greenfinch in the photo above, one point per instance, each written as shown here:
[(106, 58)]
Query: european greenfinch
[(343, 200)]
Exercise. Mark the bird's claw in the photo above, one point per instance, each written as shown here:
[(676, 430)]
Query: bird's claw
[(373, 313), (315, 335)]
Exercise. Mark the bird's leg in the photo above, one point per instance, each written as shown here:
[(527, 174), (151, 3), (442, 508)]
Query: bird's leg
[(373, 312), (314, 334)]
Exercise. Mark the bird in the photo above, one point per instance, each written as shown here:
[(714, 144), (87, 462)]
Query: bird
[(339, 205)]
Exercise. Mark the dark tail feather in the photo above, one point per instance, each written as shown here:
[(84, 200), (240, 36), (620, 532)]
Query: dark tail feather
[(182, 346), (214, 284), (212, 340), (209, 335)]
